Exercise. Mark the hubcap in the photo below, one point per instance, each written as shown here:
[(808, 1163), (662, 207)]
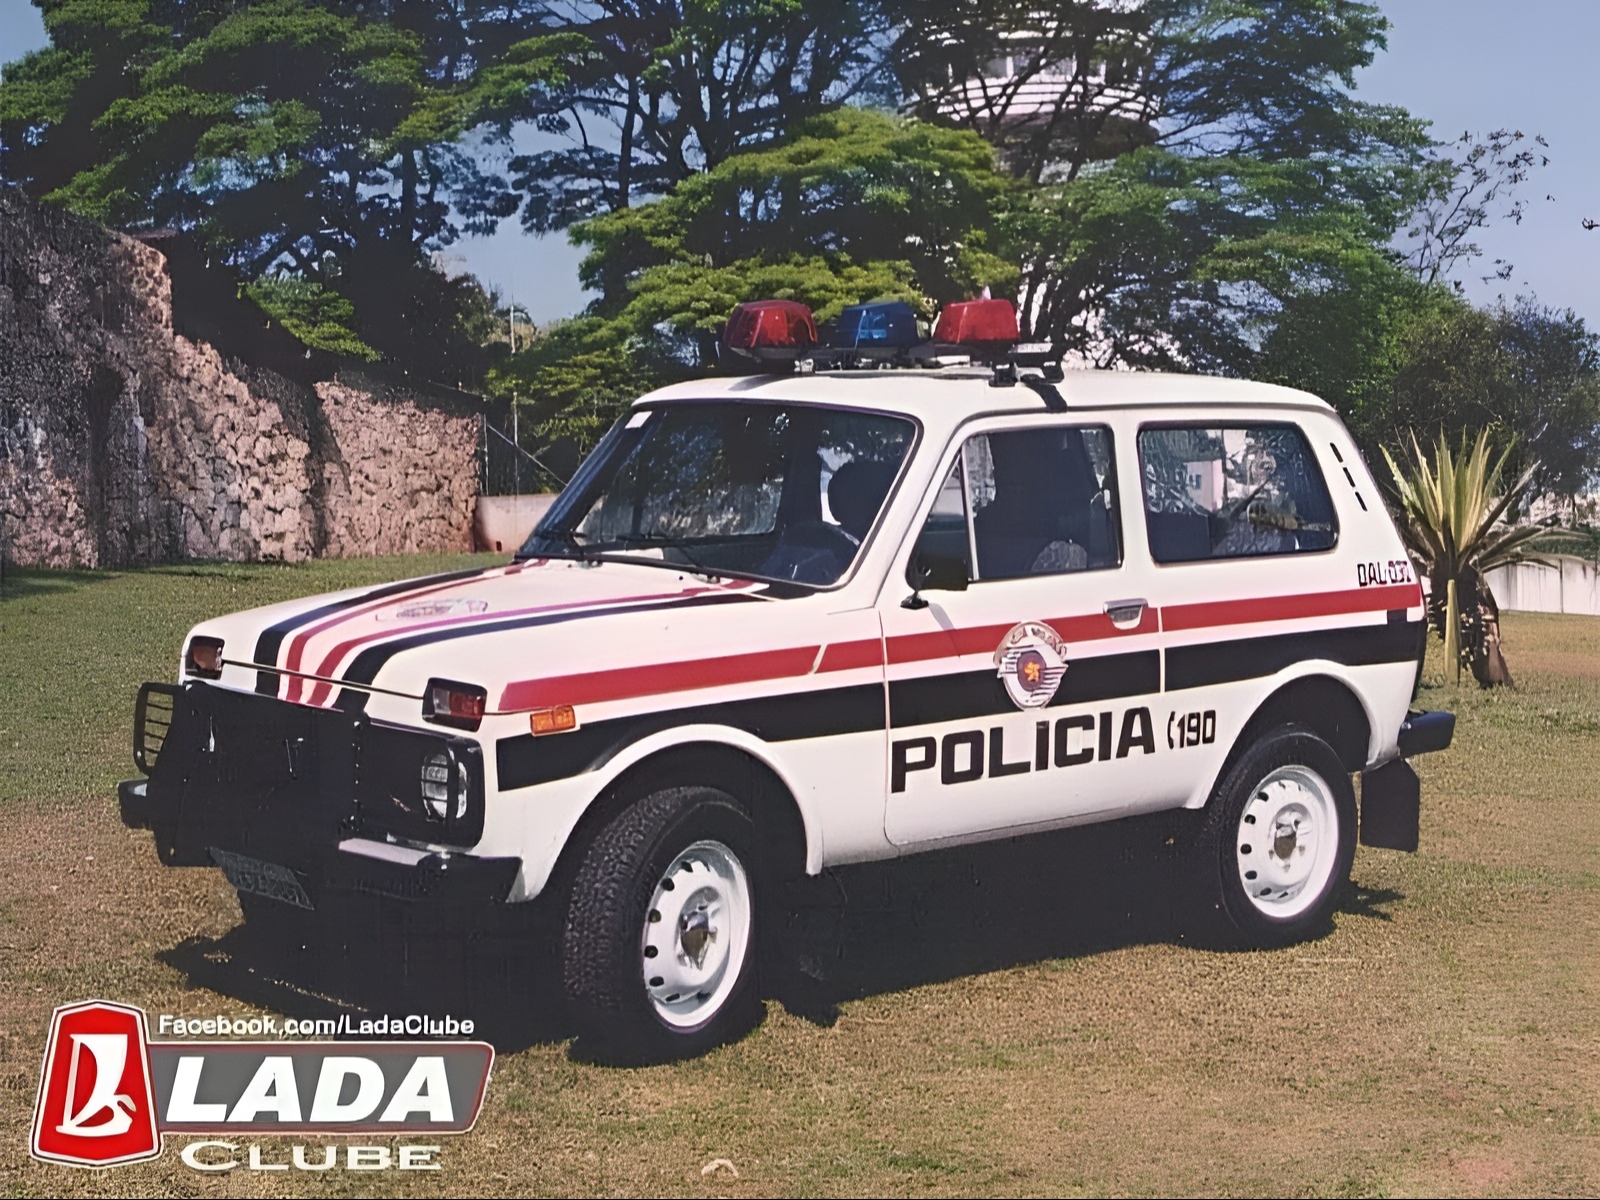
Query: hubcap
[(1287, 842), (696, 934)]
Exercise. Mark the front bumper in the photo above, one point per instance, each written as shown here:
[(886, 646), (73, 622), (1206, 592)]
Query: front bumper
[(302, 804), (356, 865)]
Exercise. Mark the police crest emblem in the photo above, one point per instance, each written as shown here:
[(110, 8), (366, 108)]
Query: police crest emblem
[(1031, 662)]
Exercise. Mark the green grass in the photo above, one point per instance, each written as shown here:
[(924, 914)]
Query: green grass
[(1440, 1040), (76, 645)]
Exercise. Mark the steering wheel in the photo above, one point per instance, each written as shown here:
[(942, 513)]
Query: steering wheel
[(810, 552), (819, 535)]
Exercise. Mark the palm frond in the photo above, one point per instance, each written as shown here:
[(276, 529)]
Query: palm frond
[(1455, 503)]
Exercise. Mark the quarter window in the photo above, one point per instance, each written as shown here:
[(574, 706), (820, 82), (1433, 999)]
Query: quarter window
[(1235, 491)]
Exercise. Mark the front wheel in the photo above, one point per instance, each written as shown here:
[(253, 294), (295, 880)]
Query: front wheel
[(1278, 842), (659, 947)]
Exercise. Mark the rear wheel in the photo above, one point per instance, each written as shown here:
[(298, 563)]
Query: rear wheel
[(1278, 842), (659, 946)]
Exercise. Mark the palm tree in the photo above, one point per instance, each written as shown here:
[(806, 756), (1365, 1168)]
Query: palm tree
[(1455, 526)]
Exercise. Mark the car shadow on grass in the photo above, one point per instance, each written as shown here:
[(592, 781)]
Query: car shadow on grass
[(849, 933)]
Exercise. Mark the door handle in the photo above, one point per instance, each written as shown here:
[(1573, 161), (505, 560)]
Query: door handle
[(1125, 614)]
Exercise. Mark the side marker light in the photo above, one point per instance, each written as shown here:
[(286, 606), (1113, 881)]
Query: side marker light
[(559, 719)]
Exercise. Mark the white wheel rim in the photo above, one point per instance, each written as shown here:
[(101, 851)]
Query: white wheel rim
[(1288, 841), (696, 934)]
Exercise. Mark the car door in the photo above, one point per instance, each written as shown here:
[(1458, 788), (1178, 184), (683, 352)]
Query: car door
[(1026, 698)]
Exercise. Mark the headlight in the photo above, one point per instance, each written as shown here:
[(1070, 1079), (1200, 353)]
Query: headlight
[(436, 787), (445, 702)]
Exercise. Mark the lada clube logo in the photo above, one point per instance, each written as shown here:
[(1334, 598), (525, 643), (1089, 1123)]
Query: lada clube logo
[(107, 1094), (1032, 661), (96, 1103)]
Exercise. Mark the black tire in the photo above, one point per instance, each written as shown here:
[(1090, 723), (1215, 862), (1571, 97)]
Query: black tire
[(641, 851), (1231, 844)]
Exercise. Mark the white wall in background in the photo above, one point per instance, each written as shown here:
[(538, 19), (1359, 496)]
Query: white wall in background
[(1572, 586)]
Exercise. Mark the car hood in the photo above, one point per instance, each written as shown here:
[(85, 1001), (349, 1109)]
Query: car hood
[(503, 628)]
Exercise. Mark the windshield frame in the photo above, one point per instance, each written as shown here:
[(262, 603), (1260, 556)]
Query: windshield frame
[(577, 494)]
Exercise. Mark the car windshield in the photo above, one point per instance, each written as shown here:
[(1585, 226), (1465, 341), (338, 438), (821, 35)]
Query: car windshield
[(763, 490)]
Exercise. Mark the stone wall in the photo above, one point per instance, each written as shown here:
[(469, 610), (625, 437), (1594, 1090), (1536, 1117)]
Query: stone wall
[(122, 441)]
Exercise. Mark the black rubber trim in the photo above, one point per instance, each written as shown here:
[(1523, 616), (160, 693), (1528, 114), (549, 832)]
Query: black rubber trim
[(525, 760), (981, 693), (271, 639), (1207, 663), (1427, 732)]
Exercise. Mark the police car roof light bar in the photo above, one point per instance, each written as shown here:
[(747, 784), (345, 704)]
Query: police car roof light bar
[(879, 327)]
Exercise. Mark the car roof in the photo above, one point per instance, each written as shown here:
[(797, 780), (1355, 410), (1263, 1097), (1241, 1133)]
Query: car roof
[(953, 394)]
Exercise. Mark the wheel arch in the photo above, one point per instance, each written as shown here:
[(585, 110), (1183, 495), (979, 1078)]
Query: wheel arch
[(1327, 705), (790, 841)]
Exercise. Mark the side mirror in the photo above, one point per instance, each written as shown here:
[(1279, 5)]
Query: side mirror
[(935, 573)]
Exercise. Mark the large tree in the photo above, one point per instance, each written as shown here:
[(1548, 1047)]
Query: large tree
[(671, 88), (317, 139), (850, 206)]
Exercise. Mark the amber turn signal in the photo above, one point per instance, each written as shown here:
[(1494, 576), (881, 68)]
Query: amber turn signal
[(552, 720), (204, 658)]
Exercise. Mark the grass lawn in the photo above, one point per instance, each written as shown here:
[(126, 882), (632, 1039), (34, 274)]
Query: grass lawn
[(982, 1035)]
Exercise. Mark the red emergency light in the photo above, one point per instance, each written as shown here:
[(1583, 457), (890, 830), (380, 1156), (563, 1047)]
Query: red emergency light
[(771, 329), (990, 324)]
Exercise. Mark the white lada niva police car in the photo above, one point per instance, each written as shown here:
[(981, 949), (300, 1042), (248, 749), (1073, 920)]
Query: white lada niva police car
[(781, 622)]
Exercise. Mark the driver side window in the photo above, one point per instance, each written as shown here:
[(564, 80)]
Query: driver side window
[(1028, 502)]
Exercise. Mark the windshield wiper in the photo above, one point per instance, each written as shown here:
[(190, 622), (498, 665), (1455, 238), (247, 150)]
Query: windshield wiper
[(669, 542), (571, 537)]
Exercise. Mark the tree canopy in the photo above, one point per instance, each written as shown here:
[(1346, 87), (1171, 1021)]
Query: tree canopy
[(1188, 185)]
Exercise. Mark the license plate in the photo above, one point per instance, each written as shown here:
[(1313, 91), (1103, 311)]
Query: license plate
[(261, 878)]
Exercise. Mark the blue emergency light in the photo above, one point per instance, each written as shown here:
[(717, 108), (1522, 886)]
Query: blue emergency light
[(880, 325)]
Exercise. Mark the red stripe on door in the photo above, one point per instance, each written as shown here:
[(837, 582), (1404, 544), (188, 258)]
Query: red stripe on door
[(984, 639), (1288, 608)]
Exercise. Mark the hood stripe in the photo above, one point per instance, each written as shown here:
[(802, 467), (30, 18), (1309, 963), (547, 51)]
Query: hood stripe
[(271, 639), (328, 668), (364, 669), (293, 660)]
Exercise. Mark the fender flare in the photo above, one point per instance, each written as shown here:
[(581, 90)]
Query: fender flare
[(634, 753), (1310, 668)]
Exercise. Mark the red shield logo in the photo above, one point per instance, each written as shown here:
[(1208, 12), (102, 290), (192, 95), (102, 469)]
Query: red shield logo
[(96, 1103)]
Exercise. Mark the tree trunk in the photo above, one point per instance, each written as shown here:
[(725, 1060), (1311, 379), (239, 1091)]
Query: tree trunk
[(1488, 663)]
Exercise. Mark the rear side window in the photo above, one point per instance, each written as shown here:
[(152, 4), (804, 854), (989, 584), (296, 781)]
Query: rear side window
[(1233, 491)]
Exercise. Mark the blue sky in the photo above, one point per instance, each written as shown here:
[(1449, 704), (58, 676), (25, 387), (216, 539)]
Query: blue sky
[(1463, 64)]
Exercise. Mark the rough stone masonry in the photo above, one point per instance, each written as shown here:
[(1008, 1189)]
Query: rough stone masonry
[(123, 441)]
